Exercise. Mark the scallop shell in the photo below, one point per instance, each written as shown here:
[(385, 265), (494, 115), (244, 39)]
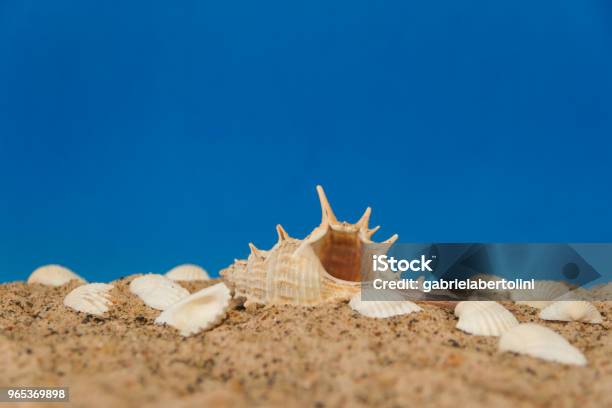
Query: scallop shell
[(540, 342), (544, 294), (200, 311), (187, 272), (92, 298), (392, 303), (53, 275), (157, 291), (568, 311), (484, 318), (325, 266)]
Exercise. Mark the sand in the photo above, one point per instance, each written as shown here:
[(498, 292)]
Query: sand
[(325, 356)]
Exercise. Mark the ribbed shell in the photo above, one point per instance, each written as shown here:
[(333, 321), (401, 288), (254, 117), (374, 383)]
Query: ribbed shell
[(544, 294), (93, 298), (540, 342), (187, 272), (484, 318), (568, 311), (199, 311), (300, 271), (290, 273), (53, 275), (157, 291)]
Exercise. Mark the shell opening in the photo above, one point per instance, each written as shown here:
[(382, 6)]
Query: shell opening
[(341, 254), (340, 245)]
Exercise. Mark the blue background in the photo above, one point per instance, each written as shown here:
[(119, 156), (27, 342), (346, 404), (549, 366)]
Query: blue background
[(134, 137)]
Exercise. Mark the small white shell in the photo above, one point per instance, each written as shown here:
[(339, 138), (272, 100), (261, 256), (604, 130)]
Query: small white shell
[(92, 299), (157, 291), (544, 293), (568, 311), (393, 304), (200, 311), (53, 275), (540, 342), (187, 272), (484, 318)]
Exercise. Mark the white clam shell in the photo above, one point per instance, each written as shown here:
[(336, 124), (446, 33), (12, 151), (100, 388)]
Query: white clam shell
[(200, 311), (544, 293), (92, 299), (568, 311), (157, 291), (392, 305), (53, 275), (484, 318), (538, 341), (187, 272)]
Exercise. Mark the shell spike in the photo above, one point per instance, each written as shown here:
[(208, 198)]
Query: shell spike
[(327, 216), (365, 219), (255, 250), (372, 231), (391, 240), (282, 234)]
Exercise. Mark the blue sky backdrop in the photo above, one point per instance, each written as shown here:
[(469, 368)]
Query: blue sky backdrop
[(138, 135)]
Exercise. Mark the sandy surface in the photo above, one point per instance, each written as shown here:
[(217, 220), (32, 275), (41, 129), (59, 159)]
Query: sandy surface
[(285, 356)]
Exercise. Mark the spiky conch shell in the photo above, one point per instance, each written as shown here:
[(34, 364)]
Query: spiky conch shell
[(53, 275), (325, 266)]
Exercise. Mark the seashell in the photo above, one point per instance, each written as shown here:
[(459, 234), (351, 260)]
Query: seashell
[(540, 342), (325, 266), (157, 291), (544, 293), (484, 318), (199, 311), (568, 311), (392, 303), (92, 299), (187, 272), (53, 275)]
